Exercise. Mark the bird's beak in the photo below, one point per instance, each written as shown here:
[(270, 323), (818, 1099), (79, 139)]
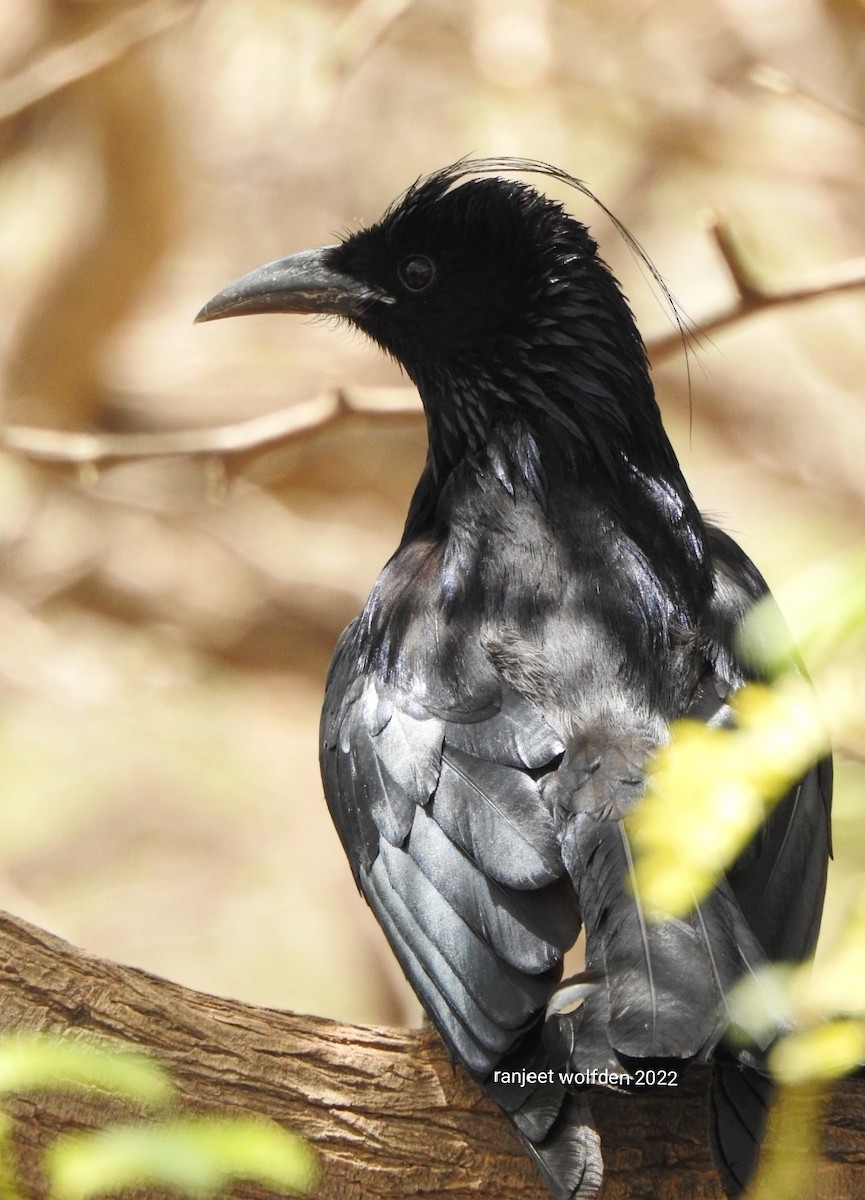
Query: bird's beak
[(307, 282)]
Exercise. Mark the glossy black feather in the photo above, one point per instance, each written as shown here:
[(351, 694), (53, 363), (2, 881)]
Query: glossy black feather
[(555, 602), (739, 1106)]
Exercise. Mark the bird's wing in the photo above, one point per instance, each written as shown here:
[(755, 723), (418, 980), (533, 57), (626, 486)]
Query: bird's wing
[(453, 845)]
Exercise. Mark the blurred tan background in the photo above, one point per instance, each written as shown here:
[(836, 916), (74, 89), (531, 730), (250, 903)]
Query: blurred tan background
[(166, 621)]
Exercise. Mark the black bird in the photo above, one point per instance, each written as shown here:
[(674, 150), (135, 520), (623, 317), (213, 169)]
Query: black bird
[(555, 602)]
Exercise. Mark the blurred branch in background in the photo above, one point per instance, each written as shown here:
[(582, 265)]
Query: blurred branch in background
[(358, 34), (67, 64), (243, 441), (97, 67), (783, 85), (238, 443), (752, 295)]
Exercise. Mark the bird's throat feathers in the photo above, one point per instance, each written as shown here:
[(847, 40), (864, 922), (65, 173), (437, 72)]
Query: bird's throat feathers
[(576, 374), (540, 430)]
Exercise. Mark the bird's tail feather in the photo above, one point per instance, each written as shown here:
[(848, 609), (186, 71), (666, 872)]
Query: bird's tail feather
[(667, 981), (554, 1125), (655, 990), (569, 1156), (739, 1102)]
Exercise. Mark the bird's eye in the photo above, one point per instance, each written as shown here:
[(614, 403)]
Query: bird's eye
[(416, 272)]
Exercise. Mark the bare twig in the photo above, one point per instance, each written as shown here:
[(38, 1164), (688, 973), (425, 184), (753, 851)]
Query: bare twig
[(746, 285), (239, 440), (782, 84), (244, 441), (752, 297), (67, 64)]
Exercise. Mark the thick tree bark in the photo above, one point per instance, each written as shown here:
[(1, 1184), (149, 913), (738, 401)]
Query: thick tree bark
[(387, 1114)]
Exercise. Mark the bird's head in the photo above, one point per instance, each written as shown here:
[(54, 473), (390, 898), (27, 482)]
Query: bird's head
[(486, 291)]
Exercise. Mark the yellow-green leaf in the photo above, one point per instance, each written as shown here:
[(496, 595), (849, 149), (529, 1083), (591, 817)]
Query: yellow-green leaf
[(820, 1054), (195, 1155), (49, 1062), (839, 985), (825, 609), (709, 790), (762, 1004)]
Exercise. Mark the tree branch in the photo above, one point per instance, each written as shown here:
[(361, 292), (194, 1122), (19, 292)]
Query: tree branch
[(239, 442), (243, 441), (65, 65), (383, 1107), (782, 84), (752, 297)]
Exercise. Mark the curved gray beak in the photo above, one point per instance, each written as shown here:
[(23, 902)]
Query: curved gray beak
[(307, 282)]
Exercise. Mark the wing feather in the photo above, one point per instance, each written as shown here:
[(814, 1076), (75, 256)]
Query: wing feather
[(515, 736), (454, 847), (497, 815), (531, 930)]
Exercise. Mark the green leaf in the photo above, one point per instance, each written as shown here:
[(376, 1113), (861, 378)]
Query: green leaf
[(820, 1012), (818, 1055), (48, 1062), (9, 1189), (787, 1169), (839, 985), (763, 1003), (708, 791), (193, 1155), (825, 610)]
